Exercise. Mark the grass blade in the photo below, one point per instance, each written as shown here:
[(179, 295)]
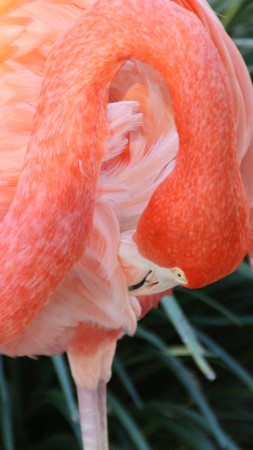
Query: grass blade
[(244, 268), (63, 375), (187, 334), (127, 382), (128, 423), (216, 305), (231, 363), (5, 408), (191, 387)]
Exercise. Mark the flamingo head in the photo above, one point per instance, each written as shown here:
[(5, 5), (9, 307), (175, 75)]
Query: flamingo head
[(186, 236), (201, 236), (143, 276)]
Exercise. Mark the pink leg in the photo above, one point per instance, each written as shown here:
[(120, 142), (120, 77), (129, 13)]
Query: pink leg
[(93, 417), (102, 408)]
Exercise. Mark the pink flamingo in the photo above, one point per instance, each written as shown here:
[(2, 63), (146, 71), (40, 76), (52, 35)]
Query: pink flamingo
[(94, 216)]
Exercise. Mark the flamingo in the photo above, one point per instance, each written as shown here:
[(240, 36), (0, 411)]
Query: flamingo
[(126, 148)]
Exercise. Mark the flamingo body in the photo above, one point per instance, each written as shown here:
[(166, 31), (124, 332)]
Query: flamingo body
[(73, 286)]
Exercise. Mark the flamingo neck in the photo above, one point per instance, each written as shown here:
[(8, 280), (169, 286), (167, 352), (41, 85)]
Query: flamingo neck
[(47, 226), (179, 222)]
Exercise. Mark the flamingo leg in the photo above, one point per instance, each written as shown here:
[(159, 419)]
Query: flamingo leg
[(93, 417), (102, 408)]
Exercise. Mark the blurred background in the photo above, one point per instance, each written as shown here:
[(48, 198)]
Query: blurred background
[(185, 381)]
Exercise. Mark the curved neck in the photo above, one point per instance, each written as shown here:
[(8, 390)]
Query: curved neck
[(53, 206), (171, 39)]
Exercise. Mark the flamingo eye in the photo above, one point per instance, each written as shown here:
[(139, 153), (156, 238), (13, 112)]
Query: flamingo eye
[(179, 275)]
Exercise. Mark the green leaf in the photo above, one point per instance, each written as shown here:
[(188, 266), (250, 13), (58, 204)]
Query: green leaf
[(191, 387), (65, 380), (127, 382), (187, 334), (229, 361), (216, 305), (244, 268), (190, 436), (248, 43), (5, 409), (128, 423)]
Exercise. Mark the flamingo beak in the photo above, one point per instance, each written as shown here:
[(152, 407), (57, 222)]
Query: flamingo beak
[(154, 281)]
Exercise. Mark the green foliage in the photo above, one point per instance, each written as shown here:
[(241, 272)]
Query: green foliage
[(237, 17), (158, 398)]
